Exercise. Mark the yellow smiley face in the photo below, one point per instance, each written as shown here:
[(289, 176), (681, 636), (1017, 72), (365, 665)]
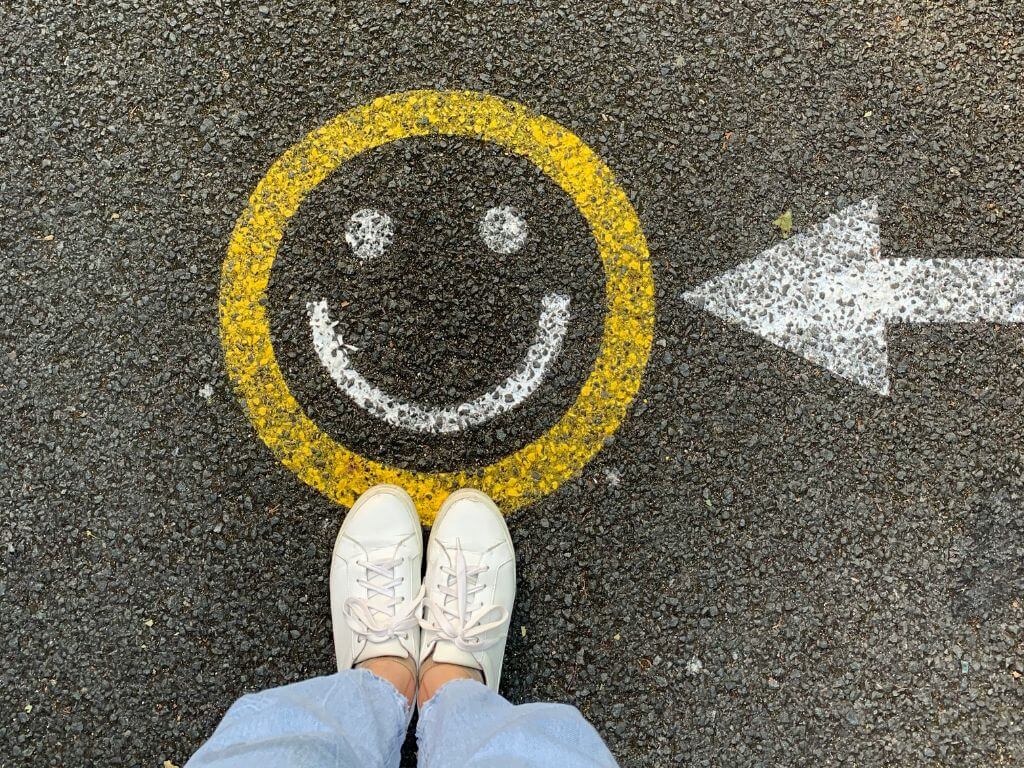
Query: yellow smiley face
[(535, 469)]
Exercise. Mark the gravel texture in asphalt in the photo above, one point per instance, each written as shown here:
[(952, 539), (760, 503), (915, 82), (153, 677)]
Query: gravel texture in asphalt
[(767, 565)]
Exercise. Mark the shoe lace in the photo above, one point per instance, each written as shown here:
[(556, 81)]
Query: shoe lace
[(455, 618), (376, 616)]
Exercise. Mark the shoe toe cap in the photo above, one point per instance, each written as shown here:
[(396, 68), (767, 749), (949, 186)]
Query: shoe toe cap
[(381, 519), (475, 523)]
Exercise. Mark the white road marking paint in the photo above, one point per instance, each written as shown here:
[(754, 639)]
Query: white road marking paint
[(206, 391), (369, 232), (828, 294), (333, 353), (503, 230)]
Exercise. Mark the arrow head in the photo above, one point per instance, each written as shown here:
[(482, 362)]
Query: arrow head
[(814, 294)]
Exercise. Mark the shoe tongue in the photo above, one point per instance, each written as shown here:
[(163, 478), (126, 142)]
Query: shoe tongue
[(391, 647), (471, 557), (373, 597), (446, 653)]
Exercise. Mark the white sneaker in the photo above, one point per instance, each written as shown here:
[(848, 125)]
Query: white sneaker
[(470, 586), (375, 579)]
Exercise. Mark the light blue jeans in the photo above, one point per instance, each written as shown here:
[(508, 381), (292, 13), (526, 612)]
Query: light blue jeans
[(354, 719)]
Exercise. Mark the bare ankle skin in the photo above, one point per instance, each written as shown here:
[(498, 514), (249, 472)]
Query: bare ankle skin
[(433, 675), (401, 673)]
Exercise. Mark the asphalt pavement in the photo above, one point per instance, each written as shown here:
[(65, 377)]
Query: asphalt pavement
[(766, 565)]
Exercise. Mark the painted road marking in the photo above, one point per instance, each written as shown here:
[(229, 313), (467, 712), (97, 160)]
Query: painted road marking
[(535, 469), (369, 232), (828, 294), (503, 230), (333, 354)]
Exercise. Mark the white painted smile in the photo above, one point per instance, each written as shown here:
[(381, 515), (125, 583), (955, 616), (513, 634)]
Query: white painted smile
[(503, 231), (333, 353)]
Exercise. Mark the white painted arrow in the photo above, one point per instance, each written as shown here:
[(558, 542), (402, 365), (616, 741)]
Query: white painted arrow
[(828, 294)]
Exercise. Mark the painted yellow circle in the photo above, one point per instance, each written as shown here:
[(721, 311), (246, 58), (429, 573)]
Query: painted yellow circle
[(535, 469)]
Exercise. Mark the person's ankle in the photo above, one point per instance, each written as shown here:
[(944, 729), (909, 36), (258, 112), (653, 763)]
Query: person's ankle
[(400, 672), (434, 675)]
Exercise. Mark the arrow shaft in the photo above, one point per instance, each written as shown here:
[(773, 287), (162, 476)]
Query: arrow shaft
[(950, 290)]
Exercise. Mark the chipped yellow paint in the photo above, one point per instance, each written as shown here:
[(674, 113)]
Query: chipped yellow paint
[(520, 477)]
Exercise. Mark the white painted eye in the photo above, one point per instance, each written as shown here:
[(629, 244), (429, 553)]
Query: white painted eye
[(369, 232), (503, 230)]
